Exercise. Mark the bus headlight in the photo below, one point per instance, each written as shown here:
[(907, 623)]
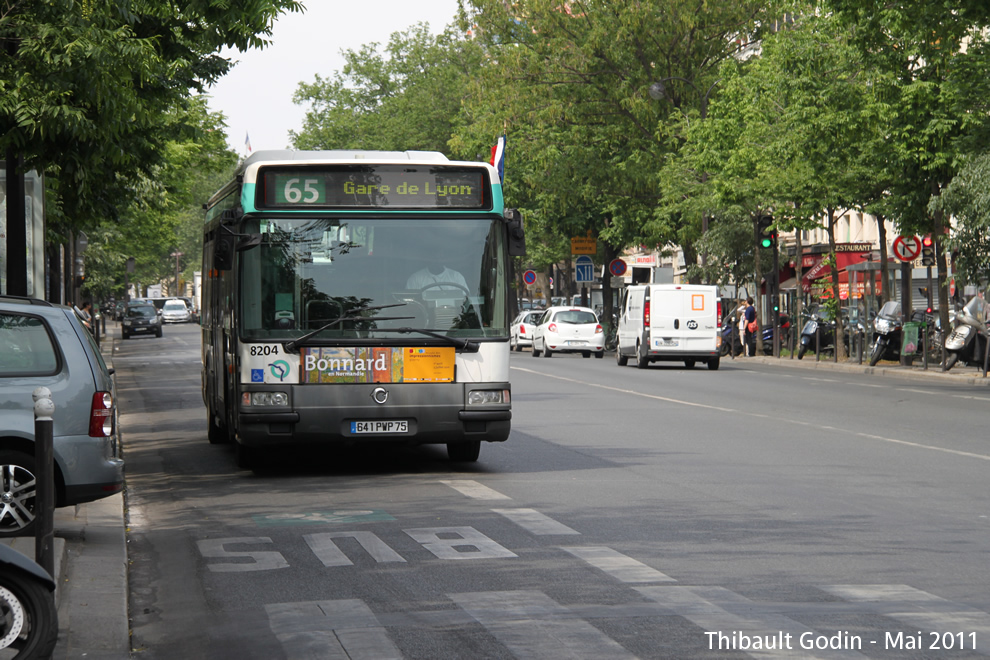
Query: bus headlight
[(488, 397), (265, 399)]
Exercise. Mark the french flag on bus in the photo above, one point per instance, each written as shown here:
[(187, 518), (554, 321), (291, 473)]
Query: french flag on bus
[(498, 158)]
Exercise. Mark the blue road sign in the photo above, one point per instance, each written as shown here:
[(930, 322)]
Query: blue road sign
[(584, 270)]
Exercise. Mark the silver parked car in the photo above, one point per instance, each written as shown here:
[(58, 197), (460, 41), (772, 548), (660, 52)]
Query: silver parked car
[(45, 345), (175, 311), (521, 331)]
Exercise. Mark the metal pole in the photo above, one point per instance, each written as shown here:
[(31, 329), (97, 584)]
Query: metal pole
[(44, 501)]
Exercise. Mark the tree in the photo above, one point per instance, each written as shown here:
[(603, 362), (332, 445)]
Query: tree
[(84, 87), (937, 56), (406, 98)]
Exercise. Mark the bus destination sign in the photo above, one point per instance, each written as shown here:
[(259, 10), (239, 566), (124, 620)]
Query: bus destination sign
[(374, 186)]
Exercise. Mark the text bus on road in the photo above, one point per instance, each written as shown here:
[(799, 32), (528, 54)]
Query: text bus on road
[(354, 297)]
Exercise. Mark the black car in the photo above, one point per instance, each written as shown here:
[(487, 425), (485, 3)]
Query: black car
[(140, 318)]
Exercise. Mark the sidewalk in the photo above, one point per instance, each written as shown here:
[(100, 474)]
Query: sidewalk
[(960, 374)]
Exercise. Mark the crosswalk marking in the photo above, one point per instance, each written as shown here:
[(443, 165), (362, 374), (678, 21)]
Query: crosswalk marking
[(535, 522), (475, 490), (533, 625), (614, 563), (715, 609), (330, 630), (919, 608)]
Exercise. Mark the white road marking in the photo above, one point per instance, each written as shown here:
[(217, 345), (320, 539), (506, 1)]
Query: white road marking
[(920, 609), (326, 549), (535, 522), (475, 490), (458, 543), (261, 560), (734, 411), (614, 563), (330, 630), (720, 613), (532, 625)]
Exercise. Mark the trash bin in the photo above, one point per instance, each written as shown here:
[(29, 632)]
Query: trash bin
[(911, 338)]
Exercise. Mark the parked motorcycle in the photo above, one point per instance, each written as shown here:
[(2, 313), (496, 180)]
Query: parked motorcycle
[(968, 339), (28, 618), (888, 327), (817, 327), (728, 340)]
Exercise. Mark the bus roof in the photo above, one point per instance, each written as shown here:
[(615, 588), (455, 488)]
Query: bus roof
[(341, 154)]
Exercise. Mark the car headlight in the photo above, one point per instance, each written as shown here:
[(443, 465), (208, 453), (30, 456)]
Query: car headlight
[(488, 397), (265, 399)]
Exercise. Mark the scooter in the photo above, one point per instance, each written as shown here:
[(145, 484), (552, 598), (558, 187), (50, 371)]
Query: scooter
[(968, 340), (887, 326), (816, 327), (730, 336), (28, 618)]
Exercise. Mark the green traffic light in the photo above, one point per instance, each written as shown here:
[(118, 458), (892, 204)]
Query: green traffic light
[(766, 242)]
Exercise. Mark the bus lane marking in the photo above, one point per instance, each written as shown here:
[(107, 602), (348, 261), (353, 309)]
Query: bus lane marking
[(535, 522), (475, 490), (326, 550), (735, 411)]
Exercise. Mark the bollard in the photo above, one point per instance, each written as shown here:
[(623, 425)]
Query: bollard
[(44, 477)]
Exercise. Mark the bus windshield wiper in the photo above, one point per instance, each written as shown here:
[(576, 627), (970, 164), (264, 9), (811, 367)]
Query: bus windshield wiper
[(465, 345), (293, 346)]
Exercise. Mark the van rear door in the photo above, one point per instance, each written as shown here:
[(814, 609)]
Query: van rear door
[(683, 318)]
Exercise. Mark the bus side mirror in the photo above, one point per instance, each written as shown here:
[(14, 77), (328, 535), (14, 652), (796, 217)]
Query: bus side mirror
[(517, 237)]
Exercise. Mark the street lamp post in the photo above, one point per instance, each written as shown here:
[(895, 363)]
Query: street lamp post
[(176, 255), (658, 91)]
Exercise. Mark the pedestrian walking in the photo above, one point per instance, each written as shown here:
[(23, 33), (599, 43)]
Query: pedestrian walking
[(751, 325)]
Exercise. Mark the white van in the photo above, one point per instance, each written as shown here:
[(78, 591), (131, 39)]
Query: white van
[(672, 322)]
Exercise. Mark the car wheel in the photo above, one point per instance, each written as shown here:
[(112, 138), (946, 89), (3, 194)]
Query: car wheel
[(546, 351), (124, 335), (599, 355), (464, 452), (535, 352), (17, 493), (159, 333), (586, 354)]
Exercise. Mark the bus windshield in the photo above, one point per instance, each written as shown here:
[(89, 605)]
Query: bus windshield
[(366, 277)]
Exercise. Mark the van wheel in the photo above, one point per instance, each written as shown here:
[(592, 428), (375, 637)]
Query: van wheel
[(620, 359), (18, 490), (689, 364), (642, 360), (713, 364)]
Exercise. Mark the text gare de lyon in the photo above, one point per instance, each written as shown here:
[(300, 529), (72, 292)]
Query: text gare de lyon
[(352, 188)]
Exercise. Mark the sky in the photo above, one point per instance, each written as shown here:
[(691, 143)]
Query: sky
[(256, 96)]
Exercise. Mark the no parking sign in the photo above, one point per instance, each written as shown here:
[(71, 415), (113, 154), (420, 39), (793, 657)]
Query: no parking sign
[(617, 267), (529, 277)]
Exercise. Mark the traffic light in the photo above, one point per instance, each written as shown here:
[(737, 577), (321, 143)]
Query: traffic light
[(927, 251), (768, 235)]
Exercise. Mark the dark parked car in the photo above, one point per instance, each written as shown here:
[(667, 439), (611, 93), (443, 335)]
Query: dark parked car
[(45, 345), (140, 318)]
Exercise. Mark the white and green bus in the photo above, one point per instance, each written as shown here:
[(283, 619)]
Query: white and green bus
[(357, 297)]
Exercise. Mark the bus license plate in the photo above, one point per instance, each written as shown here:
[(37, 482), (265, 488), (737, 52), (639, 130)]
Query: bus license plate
[(381, 426)]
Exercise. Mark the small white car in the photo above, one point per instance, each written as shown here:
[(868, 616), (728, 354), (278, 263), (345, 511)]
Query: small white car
[(521, 331), (175, 311), (569, 330)]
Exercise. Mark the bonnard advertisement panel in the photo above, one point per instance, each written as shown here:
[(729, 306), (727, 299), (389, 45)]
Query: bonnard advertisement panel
[(432, 364)]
